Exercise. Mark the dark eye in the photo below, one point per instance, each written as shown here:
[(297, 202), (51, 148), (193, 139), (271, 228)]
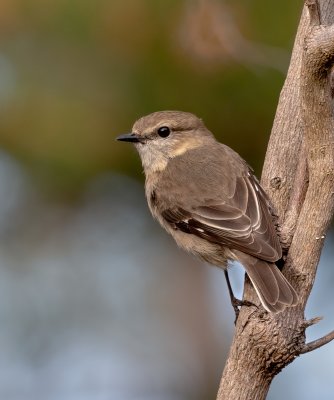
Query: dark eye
[(164, 131)]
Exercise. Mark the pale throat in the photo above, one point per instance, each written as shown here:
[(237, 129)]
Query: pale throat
[(154, 159)]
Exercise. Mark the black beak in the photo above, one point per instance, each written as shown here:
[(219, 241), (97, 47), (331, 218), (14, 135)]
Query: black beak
[(129, 137)]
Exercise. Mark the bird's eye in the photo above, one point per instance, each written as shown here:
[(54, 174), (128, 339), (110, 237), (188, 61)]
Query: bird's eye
[(164, 131)]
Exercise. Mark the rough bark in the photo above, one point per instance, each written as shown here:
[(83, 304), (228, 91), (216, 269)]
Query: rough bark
[(298, 175)]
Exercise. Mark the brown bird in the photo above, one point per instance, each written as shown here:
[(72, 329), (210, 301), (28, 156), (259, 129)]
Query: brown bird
[(206, 196)]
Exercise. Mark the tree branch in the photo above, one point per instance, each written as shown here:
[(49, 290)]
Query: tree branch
[(314, 11), (298, 175), (315, 344), (296, 200)]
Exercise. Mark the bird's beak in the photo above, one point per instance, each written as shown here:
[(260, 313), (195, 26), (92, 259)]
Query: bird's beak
[(129, 137)]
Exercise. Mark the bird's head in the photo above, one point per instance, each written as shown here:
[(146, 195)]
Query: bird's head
[(163, 135)]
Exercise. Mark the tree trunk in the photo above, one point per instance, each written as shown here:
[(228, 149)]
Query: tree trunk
[(298, 175)]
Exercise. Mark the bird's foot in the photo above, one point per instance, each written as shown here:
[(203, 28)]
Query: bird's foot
[(237, 303)]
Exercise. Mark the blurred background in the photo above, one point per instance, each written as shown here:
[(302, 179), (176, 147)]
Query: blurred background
[(96, 301)]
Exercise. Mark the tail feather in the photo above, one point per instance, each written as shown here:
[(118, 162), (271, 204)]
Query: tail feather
[(273, 289)]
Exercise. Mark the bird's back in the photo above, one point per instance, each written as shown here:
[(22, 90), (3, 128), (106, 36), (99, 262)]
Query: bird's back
[(208, 175)]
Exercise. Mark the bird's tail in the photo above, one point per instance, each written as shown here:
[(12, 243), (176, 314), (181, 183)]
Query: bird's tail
[(273, 289)]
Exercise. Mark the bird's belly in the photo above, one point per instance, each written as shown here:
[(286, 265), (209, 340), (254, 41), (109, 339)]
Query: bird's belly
[(212, 253)]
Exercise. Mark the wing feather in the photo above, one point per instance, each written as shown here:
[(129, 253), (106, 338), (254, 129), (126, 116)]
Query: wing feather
[(242, 221)]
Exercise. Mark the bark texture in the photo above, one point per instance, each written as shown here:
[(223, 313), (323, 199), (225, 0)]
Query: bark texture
[(298, 175)]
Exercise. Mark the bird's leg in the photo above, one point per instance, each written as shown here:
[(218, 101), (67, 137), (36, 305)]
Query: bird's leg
[(236, 303)]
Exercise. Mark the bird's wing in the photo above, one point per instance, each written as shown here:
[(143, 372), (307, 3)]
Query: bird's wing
[(241, 222)]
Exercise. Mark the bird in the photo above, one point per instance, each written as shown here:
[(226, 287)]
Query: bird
[(209, 200)]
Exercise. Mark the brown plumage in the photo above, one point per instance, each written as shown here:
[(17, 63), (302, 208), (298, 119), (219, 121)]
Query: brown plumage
[(208, 199)]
